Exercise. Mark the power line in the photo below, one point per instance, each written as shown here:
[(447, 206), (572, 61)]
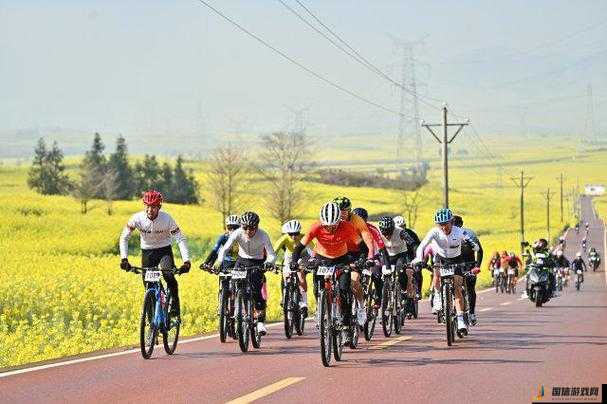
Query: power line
[(296, 63), (353, 53)]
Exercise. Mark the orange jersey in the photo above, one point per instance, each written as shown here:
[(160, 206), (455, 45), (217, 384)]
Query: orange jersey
[(362, 232), (331, 245)]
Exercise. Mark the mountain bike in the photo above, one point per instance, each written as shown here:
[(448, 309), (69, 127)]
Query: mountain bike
[(392, 308), (412, 303), (225, 305), (368, 286), (244, 313), (510, 284), (155, 315), (293, 316), (447, 291)]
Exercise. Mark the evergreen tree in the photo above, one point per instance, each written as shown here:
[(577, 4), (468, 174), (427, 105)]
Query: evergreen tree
[(95, 163), (148, 174), (122, 172), (166, 177), (184, 184), (47, 175)]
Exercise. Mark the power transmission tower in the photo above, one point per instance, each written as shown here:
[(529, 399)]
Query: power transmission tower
[(408, 81), (548, 196), (445, 150), (560, 179), (522, 182), (300, 120)]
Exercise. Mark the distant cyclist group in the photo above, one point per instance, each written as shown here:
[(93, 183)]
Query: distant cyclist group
[(361, 273)]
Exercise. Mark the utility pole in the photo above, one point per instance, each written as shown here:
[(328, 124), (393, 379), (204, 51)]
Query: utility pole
[(445, 150), (560, 179), (548, 196), (522, 182)]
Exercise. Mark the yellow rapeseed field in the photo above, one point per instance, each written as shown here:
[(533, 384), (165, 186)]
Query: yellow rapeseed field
[(63, 292)]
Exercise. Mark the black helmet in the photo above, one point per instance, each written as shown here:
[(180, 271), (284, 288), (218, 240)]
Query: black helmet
[(362, 212), (541, 244), (250, 219), (343, 203), (457, 221), (386, 224)]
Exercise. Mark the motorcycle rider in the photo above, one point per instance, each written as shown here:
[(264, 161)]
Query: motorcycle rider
[(541, 252), (594, 257)]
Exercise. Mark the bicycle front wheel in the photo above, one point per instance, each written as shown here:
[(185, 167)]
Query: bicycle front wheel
[(242, 324), (288, 311), (324, 325), (147, 331), (386, 310), (171, 336), (448, 308)]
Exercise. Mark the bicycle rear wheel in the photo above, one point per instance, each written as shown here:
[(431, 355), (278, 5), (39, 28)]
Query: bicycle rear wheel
[(255, 336), (399, 311), (147, 330), (371, 314), (324, 328), (386, 310), (171, 336), (288, 311), (448, 308), (224, 315)]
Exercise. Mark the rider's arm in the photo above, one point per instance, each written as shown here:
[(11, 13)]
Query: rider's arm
[(179, 237), (419, 253), (228, 244), (267, 245), (214, 252), (364, 232), (280, 244), (299, 247), (125, 236)]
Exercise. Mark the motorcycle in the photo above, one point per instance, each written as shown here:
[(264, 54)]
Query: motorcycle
[(538, 284), (594, 261)]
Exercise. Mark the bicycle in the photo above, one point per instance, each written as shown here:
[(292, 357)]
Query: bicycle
[(293, 317), (246, 320), (510, 284), (447, 273), (330, 323), (392, 309), (370, 292), (579, 279), (412, 303), (225, 306), (155, 314)]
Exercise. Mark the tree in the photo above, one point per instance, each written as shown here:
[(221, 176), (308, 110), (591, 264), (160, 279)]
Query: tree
[(225, 179), (95, 163), (110, 187), (47, 175), (410, 202), (184, 184), (119, 164), (166, 185), (86, 188), (148, 174), (285, 160)]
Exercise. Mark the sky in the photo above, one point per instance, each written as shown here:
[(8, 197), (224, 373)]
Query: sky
[(136, 67)]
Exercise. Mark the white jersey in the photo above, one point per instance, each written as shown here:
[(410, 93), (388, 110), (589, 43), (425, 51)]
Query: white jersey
[(446, 246), (397, 243), (156, 233), (257, 247)]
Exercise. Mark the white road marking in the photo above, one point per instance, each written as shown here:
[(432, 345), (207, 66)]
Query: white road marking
[(505, 303), (486, 309), (266, 391)]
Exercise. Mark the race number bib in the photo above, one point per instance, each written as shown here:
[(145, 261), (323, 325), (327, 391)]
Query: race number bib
[(152, 276), (366, 272), (237, 274), (579, 272), (510, 271), (387, 271), (447, 271), (325, 271)]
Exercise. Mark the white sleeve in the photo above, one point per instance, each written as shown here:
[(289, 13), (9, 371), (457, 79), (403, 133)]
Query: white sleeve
[(228, 244), (419, 253), (270, 254), (180, 239), (125, 236)]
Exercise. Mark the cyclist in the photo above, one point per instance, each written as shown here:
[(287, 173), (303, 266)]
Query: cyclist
[(396, 240), (448, 240), (469, 257), (562, 264), (562, 242), (357, 249), (381, 257), (332, 236), (515, 263), (157, 231), (578, 264), (594, 257), (231, 224), (584, 244), (254, 250), (411, 248), (291, 234)]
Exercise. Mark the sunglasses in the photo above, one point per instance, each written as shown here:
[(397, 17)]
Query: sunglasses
[(294, 234), (330, 228), (233, 227), (249, 227)]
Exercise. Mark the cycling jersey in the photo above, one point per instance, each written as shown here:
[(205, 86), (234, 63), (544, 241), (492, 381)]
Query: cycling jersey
[(467, 250), (447, 245), (362, 233), (578, 264), (397, 242), (331, 245), (257, 247), (230, 256), (378, 241), (562, 262), (154, 234)]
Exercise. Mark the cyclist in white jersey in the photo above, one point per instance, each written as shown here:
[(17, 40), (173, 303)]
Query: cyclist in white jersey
[(447, 243), (254, 251), (157, 231)]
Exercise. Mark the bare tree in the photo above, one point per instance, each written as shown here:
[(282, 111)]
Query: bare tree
[(85, 189), (410, 202), (225, 179), (110, 188), (285, 160)]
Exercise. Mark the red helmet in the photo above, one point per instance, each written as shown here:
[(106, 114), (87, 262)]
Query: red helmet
[(152, 198)]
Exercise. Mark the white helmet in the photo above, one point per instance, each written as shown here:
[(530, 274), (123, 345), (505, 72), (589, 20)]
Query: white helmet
[(579, 254), (232, 220), (559, 253), (292, 226), (399, 221), (329, 214)]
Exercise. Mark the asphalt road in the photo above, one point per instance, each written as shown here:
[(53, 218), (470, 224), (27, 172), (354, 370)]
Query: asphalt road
[(515, 349)]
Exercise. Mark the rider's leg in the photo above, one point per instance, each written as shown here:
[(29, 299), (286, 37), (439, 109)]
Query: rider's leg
[(410, 283), (378, 283), (437, 303), (257, 282), (303, 288), (459, 299), (357, 289), (344, 287), (471, 284)]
